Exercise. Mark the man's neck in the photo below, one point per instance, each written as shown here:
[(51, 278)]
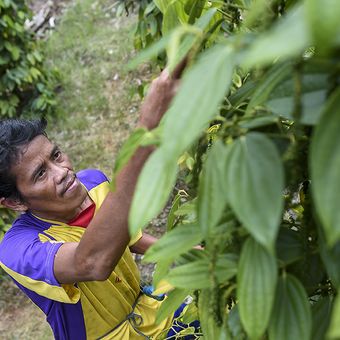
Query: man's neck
[(66, 216)]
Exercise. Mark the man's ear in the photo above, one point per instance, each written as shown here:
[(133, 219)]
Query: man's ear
[(13, 204)]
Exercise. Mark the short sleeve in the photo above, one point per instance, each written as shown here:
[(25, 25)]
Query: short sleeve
[(136, 238), (30, 262), (91, 178)]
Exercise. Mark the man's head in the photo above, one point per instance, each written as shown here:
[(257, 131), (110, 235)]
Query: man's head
[(35, 174), (14, 135)]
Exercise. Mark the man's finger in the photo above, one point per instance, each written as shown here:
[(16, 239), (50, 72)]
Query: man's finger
[(177, 72)]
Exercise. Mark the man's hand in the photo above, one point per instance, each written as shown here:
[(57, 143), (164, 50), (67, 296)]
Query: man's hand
[(159, 97)]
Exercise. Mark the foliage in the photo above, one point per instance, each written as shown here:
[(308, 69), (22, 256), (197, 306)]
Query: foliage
[(148, 28), (257, 115), (26, 87), (6, 218)]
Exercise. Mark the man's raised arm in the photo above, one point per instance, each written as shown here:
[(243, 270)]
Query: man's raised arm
[(107, 237)]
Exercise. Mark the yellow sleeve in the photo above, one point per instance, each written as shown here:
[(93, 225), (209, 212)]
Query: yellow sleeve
[(136, 238), (63, 293)]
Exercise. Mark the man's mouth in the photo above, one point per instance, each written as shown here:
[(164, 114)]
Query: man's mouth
[(70, 184)]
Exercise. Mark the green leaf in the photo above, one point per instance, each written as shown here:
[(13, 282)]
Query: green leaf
[(325, 165), (152, 190), (162, 268), (258, 9), (14, 100), (187, 211), (128, 149), (186, 332), (270, 80), (177, 50), (209, 327), (323, 20), (162, 5), (153, 25), (196, 10), (212, 197), (214, 28), (149, 8), (173, 37), (37, 56), (242, 93), (196, 275), (321, 312), (174, 243), (15, 51), (255, 186), (30, 58), (149, 53), (256, 281), (278, 42), (189, 4), (234, 323), (314, 91), (4, 59), (197, 100), (291, 316), (171, 216), (21, 15), (191, 314), (330, 257), (191, 256), (204, 21), (288, 246), (174, 16), (171, 303), (35, 73), (334, 329), (259, 121)]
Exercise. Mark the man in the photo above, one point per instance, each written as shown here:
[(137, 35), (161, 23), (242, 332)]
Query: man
[(69, 249)]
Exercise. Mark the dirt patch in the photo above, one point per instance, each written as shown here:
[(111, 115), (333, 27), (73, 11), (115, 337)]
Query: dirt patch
[(19, 317), (57, 5), (46, 15)]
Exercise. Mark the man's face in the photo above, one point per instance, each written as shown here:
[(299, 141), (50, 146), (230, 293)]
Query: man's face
[(46, 181)]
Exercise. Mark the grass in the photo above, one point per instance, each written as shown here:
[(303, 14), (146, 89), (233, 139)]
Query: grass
[(19, 318), (98, 99), (91, 48)]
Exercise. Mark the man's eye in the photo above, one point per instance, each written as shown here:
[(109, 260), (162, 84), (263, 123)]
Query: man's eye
[(41, 173), (57, 155)]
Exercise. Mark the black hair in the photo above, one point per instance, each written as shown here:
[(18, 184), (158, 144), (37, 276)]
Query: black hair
[(14, 134)]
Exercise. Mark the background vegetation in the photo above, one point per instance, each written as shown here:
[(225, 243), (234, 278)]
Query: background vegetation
[(97, 103), (253, 133), (26, 87), (255, 128)]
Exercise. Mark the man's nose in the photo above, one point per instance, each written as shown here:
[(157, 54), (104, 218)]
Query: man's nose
[(60, 173)]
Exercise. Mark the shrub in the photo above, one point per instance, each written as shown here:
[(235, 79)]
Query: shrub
[(25, 86), (255, 128), (6, 218)]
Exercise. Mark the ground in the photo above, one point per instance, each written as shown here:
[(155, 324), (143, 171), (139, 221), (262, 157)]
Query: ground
[(99, 105)]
